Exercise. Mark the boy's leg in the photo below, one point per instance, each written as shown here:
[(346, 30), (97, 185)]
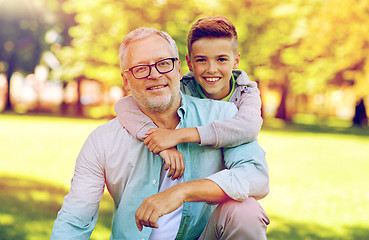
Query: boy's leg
[(237, 220)]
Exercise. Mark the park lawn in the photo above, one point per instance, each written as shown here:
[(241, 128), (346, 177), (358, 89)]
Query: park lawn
[(318, 183)]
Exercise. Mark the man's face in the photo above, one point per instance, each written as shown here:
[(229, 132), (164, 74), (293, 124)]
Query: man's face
[(211, 62), (157, 92)]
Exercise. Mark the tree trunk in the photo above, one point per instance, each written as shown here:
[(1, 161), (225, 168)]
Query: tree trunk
[(282, 111), (360, 118), (79, 107), (9, 73)]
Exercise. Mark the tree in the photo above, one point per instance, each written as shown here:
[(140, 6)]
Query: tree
[(22, 34), (335, 47), (293, 46)]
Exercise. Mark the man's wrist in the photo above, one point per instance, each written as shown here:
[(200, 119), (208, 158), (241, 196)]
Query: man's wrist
[(203, 190)]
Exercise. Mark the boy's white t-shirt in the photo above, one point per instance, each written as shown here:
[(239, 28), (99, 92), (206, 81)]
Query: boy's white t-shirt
[(169, 223)]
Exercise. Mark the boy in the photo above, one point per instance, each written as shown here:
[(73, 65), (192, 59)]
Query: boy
[(212, 55)]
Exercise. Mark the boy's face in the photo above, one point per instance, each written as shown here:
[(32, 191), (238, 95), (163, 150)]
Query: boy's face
[(212, 61)]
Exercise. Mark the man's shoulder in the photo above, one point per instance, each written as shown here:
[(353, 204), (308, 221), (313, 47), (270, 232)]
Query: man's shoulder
[(111, 127)]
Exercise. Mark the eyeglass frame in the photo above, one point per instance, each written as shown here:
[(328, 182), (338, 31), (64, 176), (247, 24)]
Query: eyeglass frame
[(150, 67)]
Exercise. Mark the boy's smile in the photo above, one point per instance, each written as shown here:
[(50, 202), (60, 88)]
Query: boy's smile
[(212, 61)]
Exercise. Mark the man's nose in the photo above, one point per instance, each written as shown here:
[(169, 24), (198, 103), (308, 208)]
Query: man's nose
[(154, 73)]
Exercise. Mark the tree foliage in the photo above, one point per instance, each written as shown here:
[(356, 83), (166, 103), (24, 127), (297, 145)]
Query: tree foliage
[(298, 47), (24, 27)]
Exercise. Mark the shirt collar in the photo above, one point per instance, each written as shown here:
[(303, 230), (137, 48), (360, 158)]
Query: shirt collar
[(183, 108)]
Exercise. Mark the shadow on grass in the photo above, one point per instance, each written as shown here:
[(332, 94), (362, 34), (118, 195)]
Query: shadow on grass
[(28, 210), (287, 230), (278, 125)]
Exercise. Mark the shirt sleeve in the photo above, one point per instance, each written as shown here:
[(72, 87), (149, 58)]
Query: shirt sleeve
[(78, 215), (132, 118), (242, 128), (246, 172)]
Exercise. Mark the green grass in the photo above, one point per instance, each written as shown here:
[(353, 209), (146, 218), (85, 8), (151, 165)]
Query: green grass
[(318, 178)]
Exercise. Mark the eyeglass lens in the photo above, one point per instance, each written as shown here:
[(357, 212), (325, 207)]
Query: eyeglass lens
[(162, 66)]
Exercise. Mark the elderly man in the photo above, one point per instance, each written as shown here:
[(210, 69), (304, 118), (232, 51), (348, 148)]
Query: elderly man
[(212, 199)]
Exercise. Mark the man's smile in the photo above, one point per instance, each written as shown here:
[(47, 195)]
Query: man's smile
[(157, 87)]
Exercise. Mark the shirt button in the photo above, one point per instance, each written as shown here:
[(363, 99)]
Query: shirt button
[(154, 181)]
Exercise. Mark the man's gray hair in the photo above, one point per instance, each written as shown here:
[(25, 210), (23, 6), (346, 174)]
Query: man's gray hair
[(140, 33)]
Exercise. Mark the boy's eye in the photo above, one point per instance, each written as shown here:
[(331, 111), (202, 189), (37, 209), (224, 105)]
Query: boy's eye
[(200, 60), (222, 59)]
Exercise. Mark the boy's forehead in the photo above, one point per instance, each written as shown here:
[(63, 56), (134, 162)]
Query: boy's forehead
[(213, 46)]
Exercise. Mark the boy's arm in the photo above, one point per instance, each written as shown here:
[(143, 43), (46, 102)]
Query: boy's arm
[(243, 128), (132, 118), (160, 139)]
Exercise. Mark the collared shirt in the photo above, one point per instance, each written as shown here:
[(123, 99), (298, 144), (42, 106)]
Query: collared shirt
[(131, 173)]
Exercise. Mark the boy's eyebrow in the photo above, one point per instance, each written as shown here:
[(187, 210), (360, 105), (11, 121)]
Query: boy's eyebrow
[(204, 56), (199, 56), (223, 55)]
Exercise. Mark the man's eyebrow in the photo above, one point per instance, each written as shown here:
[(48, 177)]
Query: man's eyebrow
[(146, 62)]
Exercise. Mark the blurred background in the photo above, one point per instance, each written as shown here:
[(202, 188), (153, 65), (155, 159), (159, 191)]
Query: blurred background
[(60, 78)]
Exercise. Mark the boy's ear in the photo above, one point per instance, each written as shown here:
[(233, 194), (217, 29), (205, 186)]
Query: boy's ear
[(236, 60), (125, 82), (188, 60)]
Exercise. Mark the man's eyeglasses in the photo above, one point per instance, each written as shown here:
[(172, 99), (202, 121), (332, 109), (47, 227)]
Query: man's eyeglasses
[(142, 71)]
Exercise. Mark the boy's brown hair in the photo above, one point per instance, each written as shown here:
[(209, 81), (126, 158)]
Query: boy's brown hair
[(212, 27)]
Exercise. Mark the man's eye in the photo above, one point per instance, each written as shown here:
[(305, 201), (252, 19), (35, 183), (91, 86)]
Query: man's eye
[(222, 59), (164, 63), (140, 69)]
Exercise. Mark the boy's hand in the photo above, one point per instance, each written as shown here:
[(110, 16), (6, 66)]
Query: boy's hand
[(160, 139), (173, 160)]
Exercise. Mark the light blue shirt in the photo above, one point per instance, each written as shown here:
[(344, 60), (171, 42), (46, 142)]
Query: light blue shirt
[(131, 173)]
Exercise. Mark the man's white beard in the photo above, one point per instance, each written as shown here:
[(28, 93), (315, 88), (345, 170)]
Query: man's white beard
[(156, 104)]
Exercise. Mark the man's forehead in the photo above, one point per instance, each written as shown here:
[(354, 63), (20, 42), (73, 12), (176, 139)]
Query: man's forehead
[(147, 49)]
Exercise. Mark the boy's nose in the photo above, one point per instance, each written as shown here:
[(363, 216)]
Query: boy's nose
[(212, 67)]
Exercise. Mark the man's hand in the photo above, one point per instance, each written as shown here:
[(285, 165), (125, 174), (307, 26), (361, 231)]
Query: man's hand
[(155, 206), (158, 205), (173, 160), (159, 139)]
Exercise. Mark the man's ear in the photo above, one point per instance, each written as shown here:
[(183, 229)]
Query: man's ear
[(188, 60), (236, 60), (125, 82)]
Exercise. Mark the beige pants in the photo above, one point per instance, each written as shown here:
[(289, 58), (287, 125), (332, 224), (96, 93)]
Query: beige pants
[(237, 220)]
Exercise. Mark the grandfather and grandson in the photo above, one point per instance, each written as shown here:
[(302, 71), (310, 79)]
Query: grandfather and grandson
[(215, 198)]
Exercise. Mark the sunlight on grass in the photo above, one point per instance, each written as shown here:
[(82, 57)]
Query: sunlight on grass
[(42, 147), (318, 178)]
